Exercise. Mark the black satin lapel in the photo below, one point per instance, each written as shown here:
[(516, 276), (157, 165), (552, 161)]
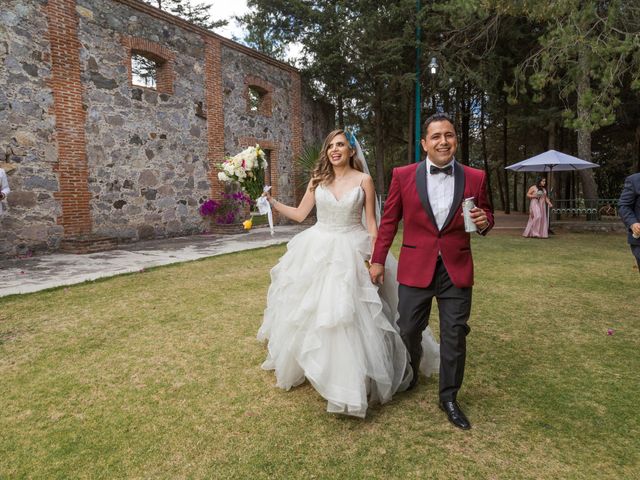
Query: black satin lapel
[(421, 185), (458, 191)]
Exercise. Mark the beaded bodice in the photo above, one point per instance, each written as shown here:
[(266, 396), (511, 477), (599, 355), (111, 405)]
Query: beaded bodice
[(345, 212)]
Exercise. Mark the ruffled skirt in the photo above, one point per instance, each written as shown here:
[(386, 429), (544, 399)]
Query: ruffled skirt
[(326, 322)]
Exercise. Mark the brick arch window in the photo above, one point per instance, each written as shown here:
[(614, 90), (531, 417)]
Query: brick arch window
[(149, 64), (258, 95)]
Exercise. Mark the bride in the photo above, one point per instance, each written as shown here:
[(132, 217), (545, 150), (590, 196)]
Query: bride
[(325, 321)]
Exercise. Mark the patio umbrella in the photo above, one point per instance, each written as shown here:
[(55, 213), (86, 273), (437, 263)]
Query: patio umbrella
[(551, 161)]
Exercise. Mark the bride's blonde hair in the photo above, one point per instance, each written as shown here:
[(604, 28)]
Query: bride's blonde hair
[(323, 172)]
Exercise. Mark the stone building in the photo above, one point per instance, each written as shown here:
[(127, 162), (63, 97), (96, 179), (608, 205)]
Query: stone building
[(101, 159)]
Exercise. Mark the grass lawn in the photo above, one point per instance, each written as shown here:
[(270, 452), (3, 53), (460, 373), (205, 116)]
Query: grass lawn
[(157, 375)]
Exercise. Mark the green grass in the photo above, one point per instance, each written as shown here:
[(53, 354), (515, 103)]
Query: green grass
[(157, 375)]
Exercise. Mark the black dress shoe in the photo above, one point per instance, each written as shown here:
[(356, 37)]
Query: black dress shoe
[(455, 415)]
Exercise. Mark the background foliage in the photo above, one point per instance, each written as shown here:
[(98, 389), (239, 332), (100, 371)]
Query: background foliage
[(519, 78)]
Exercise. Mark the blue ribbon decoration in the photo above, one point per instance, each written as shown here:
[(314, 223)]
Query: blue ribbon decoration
[(351, 138)]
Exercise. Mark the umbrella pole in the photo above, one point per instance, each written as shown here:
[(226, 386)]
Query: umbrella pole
[(546, 205)]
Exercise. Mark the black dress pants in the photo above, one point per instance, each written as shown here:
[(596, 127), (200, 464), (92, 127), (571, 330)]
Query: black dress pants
[(454, 305)]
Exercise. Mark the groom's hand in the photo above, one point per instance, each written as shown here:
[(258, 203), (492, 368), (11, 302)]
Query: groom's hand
[(479, 217), (376, 273)]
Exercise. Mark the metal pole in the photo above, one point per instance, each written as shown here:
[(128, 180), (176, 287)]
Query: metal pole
[(417, 124)]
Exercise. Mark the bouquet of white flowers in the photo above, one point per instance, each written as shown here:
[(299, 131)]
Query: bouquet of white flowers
[(247, 168)]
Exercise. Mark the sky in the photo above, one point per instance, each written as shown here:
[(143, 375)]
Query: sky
[(224, 10)]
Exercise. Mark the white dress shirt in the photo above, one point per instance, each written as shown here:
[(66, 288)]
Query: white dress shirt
[(440, 191)]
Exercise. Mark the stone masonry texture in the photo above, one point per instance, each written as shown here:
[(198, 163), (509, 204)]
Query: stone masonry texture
[(98, 156)]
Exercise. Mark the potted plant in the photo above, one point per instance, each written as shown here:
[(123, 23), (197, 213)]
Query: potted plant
[(226, 215)]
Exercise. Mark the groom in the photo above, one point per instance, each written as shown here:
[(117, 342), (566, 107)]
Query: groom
[(435, 258)]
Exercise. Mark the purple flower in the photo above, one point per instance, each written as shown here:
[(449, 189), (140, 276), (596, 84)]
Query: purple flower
[(209, 208), (227, 210)]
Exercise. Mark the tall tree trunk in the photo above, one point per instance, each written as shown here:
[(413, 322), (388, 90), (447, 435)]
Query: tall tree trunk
[(500, 189), (465, 116), (524, 192), (485, 156), (565, 191), (638, 148), (505, 154), (555, 184), (589, 187), (515, 192), (410, 137), (446, 100), (377, 113), (551, 135), (340, 111)]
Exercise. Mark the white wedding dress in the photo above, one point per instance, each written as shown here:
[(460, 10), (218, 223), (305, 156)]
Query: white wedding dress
[(326, 322)]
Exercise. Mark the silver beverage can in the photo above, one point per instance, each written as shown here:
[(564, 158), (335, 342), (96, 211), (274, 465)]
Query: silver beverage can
[(467, 205)]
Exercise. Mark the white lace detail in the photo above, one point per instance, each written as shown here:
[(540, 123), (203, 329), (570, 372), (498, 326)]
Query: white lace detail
[(343, 212)]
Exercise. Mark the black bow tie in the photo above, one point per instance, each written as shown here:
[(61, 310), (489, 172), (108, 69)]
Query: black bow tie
[(448, 170)]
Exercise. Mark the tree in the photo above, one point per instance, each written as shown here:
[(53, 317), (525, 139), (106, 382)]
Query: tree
[(588, 48), (354, 53), (196, 13), (509, 73)]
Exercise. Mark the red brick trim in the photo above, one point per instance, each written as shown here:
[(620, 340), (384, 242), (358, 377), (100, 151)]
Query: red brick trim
[(214, 112), (266, 91), (164, 58), (166, 17), (71, 165), (296, 131)]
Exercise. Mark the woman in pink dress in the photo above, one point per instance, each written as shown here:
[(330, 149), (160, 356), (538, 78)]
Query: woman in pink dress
[(538, 224)]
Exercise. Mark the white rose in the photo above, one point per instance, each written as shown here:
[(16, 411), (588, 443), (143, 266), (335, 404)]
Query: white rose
[(222, 177)]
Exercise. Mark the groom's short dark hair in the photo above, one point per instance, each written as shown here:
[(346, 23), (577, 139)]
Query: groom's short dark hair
[(436, 117)]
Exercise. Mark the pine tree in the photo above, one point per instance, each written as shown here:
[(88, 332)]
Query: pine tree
[(196, 13)]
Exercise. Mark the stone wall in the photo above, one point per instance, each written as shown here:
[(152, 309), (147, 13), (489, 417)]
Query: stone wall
[(27, 130), (146, 151), (97, 156)]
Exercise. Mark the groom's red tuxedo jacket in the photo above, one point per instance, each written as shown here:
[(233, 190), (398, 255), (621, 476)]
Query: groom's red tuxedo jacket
[(407, 200)]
